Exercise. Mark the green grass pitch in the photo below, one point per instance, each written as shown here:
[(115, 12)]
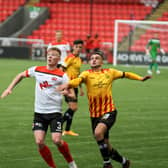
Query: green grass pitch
[(140, 132)]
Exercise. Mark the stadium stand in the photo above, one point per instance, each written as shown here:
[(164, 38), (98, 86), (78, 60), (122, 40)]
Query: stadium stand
[(140, 43), (8, 7), (79, 19)]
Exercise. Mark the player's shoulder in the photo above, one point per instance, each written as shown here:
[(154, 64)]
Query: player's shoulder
[(88, 71), (56, 71), (40, 68), (114, 69), (59, 72), (111, 70), (70, 56), (62, 42)]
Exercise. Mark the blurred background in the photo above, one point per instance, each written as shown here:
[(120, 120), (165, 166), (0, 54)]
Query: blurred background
[(28, 26)]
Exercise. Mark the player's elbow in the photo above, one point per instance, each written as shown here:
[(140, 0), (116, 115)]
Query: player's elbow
[(21, 75)]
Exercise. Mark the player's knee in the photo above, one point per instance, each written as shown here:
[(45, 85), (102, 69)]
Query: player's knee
[(98, 135), (57, 141), (39, 142), (74, 107)]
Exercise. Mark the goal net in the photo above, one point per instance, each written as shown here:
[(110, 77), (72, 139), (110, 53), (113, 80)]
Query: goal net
[(131, 38), (22, 48)]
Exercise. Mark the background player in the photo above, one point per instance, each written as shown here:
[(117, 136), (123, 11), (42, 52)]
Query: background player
[(88, 45), (72, 64), (152, 50), (60, 43), (103, 112), (47, 106)]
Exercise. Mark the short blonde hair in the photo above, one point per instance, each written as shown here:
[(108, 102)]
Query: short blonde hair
[(55, 49)]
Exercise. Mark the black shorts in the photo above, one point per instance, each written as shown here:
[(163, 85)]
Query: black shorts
[(69, 99), (42, 121), (108, 119)]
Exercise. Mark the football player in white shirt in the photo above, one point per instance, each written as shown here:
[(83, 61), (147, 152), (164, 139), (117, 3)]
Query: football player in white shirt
[(48, 104), (62, 44)]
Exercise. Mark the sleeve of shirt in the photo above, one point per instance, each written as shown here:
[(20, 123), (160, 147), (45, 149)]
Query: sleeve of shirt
[(116, 73), (120, 74), (31, 71), (133, 76)]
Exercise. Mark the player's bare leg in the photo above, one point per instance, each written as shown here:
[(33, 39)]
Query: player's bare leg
[(64, 149), (43, 148)]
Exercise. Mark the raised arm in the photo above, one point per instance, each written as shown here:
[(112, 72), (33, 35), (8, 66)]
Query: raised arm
[(14, 82), (71, 84), (134, 76), (146, 78)]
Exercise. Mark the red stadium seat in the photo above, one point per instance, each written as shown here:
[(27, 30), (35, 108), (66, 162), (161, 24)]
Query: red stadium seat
[(74, 17)]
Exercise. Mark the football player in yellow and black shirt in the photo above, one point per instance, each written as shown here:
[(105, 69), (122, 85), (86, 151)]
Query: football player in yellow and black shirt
[(71, 65), (103, 112)]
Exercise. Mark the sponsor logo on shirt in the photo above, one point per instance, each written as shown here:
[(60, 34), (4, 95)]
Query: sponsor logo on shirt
[(44, 84)]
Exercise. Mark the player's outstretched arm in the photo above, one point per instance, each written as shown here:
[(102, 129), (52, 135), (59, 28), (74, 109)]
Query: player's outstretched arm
[(6, 93), (71, 84), (15, 81), (134, 76), (146, 78)]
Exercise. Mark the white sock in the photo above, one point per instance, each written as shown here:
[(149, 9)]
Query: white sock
[(72, 164), (124, 160)]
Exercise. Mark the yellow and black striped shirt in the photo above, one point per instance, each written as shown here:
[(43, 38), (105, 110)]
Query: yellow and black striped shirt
[(99, 88)]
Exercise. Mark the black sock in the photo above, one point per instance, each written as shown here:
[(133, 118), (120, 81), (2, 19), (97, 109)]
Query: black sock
[(65, 116), (116, 156), (103, 147), (68, 115)]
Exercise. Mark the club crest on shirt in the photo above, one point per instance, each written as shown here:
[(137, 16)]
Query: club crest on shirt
[(53, 78), (107, 76)]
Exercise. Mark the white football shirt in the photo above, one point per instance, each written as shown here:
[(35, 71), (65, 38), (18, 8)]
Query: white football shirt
[(63, 46), (47, 99)]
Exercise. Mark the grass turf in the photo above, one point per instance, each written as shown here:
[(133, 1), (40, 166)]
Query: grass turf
[(140, 132)]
